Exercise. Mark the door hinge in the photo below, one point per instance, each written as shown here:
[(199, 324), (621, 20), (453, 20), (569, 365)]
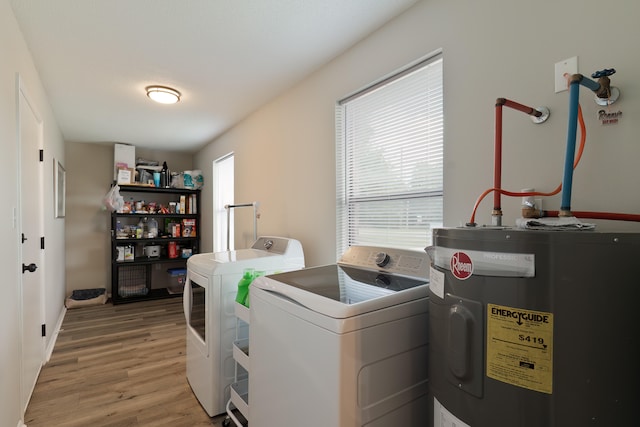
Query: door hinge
[(44, 330), (42, 155), (42, 242)]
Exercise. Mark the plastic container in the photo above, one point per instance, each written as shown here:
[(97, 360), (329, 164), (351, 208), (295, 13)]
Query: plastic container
[(152, 227), (243, 285), (119, 253), (173, 250), (188, 179), (255, 275), (140, 229), (129, 253), (177, 279)]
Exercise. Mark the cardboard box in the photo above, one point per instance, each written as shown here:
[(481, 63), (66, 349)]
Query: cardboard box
[(189, 227), (125, 176), (129, 254), (124, 157)]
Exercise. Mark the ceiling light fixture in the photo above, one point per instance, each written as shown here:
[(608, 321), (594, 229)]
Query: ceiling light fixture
[(163, 94)]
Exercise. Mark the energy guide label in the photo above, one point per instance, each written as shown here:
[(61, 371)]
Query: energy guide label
[(520, 347)]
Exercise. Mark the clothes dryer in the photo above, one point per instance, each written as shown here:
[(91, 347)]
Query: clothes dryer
[(209, 297)]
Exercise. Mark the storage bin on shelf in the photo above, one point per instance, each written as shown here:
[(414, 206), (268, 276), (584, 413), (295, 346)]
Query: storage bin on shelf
[(177, 279), (132, 281)]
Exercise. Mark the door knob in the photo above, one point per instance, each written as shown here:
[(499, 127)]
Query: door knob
[(30, 268)]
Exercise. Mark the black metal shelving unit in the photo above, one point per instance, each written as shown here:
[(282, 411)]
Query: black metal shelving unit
[(144, 277)]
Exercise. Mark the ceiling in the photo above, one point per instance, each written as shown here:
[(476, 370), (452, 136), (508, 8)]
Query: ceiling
[(226, 57)]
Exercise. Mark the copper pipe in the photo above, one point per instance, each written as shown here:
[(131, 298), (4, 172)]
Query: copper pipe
[(613, 216), (497, 153)]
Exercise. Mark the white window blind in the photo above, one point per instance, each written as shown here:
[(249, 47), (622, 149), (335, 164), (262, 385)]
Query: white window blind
[(389, 160), (223, 188)]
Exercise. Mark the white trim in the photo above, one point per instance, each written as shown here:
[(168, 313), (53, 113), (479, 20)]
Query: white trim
[(392, 75), (54, 336), (22, 95), (222, 193)]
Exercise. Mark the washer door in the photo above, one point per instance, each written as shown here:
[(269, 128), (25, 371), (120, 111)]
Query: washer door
[(195, 306)]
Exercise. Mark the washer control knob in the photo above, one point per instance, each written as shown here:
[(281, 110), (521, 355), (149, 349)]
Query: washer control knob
[(268, 243), (382, 259)]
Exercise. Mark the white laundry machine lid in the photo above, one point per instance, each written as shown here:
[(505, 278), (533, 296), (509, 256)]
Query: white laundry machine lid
[(341, 292), (267, 253), (209, 263)]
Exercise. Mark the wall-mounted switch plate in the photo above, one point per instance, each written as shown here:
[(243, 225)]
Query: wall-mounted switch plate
[(568, 66)]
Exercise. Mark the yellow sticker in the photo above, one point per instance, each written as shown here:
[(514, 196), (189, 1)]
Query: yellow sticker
[(520, 347)]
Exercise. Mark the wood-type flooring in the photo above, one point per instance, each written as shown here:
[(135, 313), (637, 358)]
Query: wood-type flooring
[(118, 366)]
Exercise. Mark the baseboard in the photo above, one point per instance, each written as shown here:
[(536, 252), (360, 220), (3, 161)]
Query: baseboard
[(56, 331)]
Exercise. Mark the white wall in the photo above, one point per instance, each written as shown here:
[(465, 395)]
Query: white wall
[(492, 49), (87, 238), (16, 59)]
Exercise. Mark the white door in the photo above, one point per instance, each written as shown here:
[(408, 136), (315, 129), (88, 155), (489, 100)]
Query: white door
[(31, 227)]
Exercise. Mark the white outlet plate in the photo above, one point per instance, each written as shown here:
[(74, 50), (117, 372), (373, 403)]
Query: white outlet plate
[(568, 66)]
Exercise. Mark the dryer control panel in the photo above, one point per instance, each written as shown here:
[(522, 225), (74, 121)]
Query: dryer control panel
[(277, 245)]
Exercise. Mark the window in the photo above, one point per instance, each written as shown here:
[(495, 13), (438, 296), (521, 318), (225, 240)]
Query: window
[(389, 160), (223, 172)]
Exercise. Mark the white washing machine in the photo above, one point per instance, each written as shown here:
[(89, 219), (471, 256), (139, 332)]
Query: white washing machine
[(209, 296), (342, 345)]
